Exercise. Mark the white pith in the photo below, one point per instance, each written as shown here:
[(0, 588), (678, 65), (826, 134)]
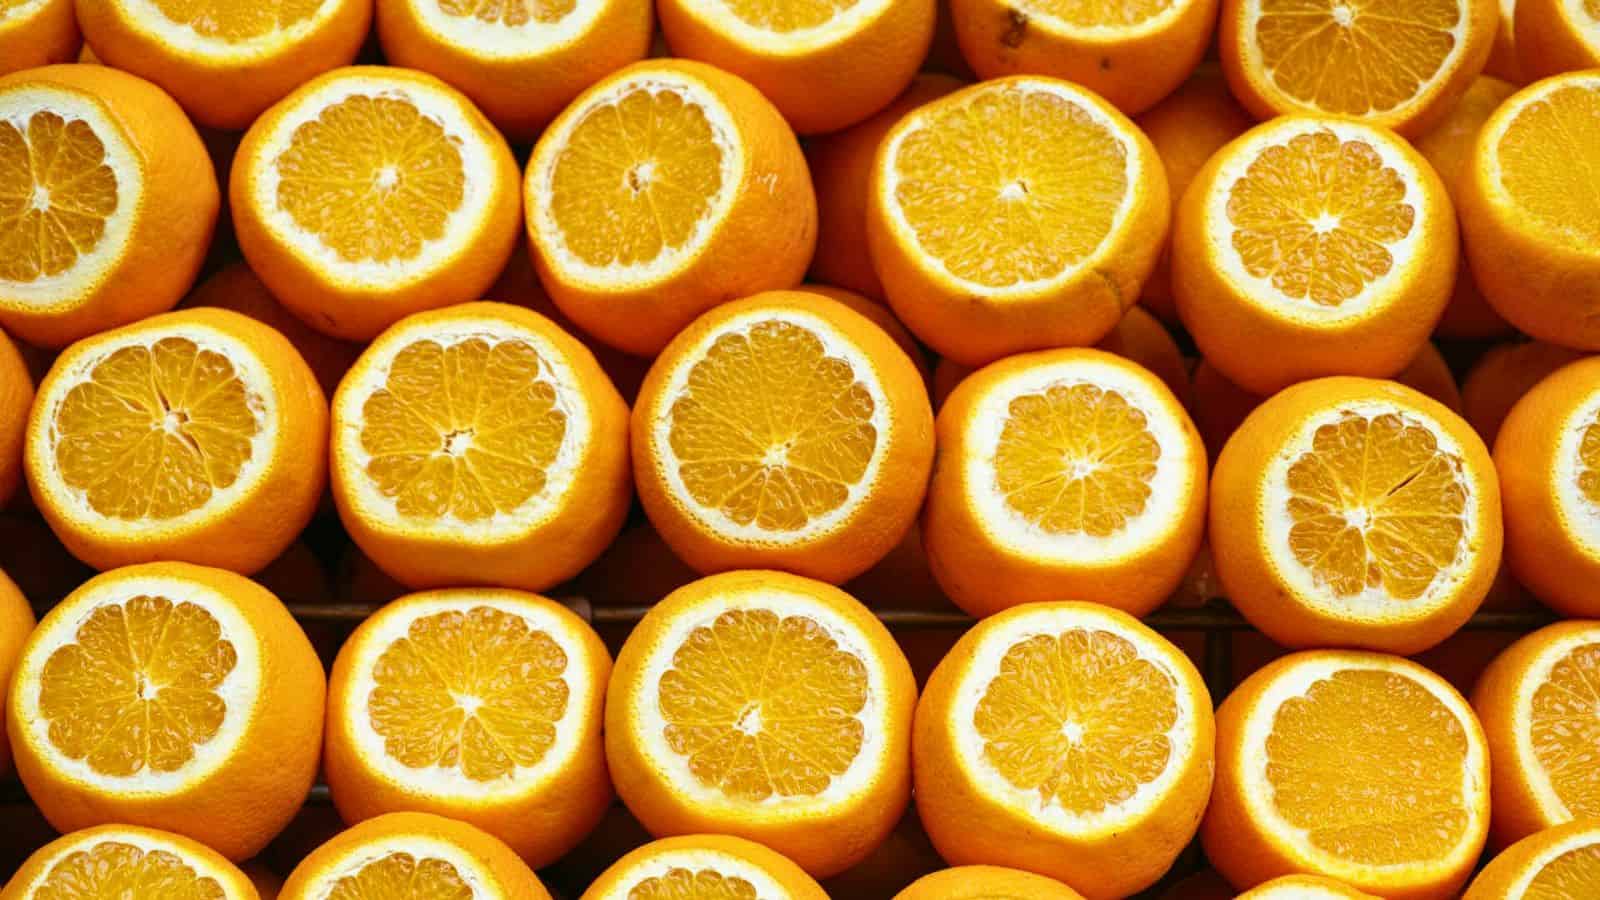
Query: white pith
[(146, 17), (392, 623), (976, 678), (462, 228), (541, 172), (694, 859), (835, 344), (719, 16), (1537, 674), (19, 12), (1298, 892), (1587, 26), (1373, 604), (240, 690), (501, 41), (1169, 488), (871, 761), (474, 873), (1502, 205), (1580, 516), (1040, 16), (889, 183), (1386, 290), (67, 288), (1585, 838), (1251, 13), (147, 842), (372, 374), (1258, 793), (75, 366)]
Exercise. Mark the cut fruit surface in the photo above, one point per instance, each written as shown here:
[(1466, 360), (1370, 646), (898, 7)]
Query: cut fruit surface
[(1565, 731), (510, 13), (57, 189), (1575, 873), (1545, 156), (113, 870), (702, 884), (402, 876), (238, 20), (781, 16), (1099, 14), (703, 867)]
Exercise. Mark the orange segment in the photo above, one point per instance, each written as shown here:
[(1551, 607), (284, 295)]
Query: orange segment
[(401, 876), (113, 870), (137, 688), (1564, 730), (785, 454), (238, 20), (638, 177), (1076, 459), (1101, 14), (475, 690), (1541, 155), (787, 15), (700, 884), (1589, 462), (155, 431), (1376, 504), (764, 705), (988, 173), (511, 13), (56, 192), (464, 430), (1080, 717), (373, 178), (1399, 803), (1575, 873), (1317, 217)]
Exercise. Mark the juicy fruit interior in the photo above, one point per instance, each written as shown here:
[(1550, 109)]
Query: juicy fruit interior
[(636, 177), (402, 876), (1575, 873), (1076, 459), (466, 430), (1589, 462), (1549, 155), (1318, 216), (764, 705), (787, 15), (777, 457), (114, 870), (1012, 185), (1098, 13), (1079, 717), (1355, 57), (1376, 505), (137, 688), (1565, 729), (477, 691), (699, 884), (373, 178), (1369, 764), (513, 13), (153, 432), (238, 20), (56, 192)]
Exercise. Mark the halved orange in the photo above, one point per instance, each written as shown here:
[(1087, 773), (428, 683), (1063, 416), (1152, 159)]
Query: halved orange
[(126, 862), (1555, 864), (1304, 887), (986, 883), (703, 867), (1555, 36), (37, 33)]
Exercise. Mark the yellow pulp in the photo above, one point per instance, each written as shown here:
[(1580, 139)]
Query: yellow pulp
[(1575, 873), (764, 705), (113, 870), (238, 20), (514, 13), (701, 884), (136, 690), (1076, 459), (636, 177), (1014, 185), (1375, 504), (56, 192), (1550, 164), (1589, 462), (1099, 13), (1355, 57), (1317, 216), (401, 876), (1370, 765), (1565, 730), (770, 429), (477, 691), (466, 431), (372, 178), (787, 15), (154, 432), (1078, 716)]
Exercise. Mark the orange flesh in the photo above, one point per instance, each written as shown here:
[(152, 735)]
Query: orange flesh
[(1589, 462), (137, 689), (1369, 764), (763, 705), (777, 457), (512, 13), (1575, 873), (1015, 169), (372, 178), (113, 870), (1565, 730), (1550, 164), (1355, 57), (1100, 13), (401, 876), (1080, 717), (1076, 459), (467, 430), (701, 884), (238, 20), (56, 192), (1318, 216), (636, 177), (1376, 504), (477, 691), (154, 432), (787, 15)]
